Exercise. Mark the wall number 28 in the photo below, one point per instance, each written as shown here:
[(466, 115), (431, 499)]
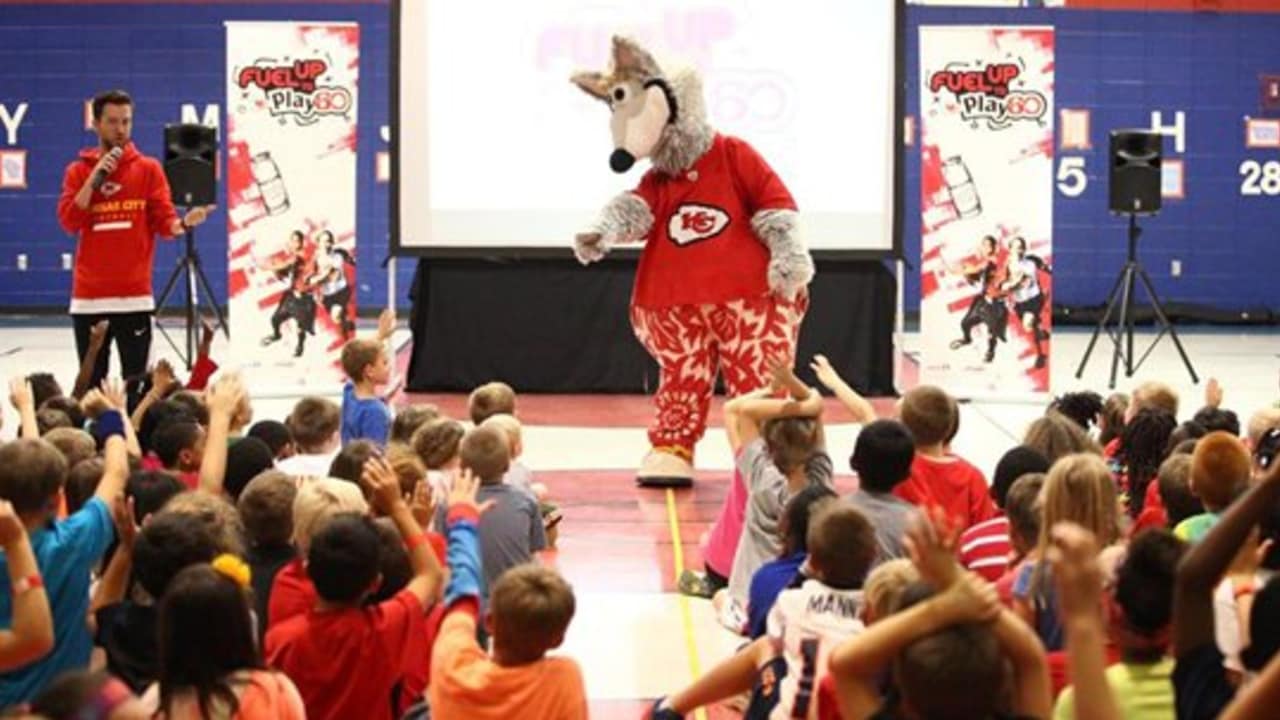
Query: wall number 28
[(1260, 178)]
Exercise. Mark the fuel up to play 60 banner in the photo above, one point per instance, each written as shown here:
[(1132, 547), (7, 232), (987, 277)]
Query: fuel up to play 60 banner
[(291, 192), (986, 106)]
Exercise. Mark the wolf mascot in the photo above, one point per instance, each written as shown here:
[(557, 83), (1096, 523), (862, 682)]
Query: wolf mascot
[(721, 283)]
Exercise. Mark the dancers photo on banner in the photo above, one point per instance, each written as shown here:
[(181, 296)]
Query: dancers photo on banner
[(1009, 281)]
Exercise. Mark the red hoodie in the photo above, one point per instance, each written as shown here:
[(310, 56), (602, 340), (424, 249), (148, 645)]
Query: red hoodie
[(117, 231)]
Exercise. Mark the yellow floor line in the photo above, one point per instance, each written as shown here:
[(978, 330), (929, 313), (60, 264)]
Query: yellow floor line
[(686, 617)]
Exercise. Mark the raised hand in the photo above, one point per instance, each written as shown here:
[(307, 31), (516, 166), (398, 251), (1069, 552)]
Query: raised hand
[(226, 395), (112, 391), (20, 394), (1213, 393), (386, 324), (932, 543), (969, 599), (162, 378), (826, 374), (463, 493), (423, 503), (382, 484), (124, 514)]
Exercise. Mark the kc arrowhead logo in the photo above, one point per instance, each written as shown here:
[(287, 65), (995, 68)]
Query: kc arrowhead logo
[(692, 222), (110, 188)]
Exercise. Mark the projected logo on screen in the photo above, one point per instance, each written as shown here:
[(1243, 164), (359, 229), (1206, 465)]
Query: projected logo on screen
[(693, 222), (295, 90), (989, 94)]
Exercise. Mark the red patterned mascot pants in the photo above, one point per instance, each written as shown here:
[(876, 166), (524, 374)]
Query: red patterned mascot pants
[(691, 342)]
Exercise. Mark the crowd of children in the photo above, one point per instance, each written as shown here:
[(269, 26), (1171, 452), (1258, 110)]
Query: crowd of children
[(167, 557)]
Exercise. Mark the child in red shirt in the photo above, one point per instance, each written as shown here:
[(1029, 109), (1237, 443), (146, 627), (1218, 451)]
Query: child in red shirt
[(346, 658), (938, 477)]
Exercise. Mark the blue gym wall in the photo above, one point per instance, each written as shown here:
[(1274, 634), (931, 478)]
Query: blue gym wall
[(1119, 65)]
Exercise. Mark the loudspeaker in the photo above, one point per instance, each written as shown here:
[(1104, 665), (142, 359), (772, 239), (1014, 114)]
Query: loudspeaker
[(190, 152), (1135, 171)]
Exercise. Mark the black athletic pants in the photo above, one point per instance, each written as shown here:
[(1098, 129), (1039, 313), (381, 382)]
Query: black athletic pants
[(131, 333)]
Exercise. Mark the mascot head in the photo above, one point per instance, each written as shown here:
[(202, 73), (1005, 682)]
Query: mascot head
[(654, 115)]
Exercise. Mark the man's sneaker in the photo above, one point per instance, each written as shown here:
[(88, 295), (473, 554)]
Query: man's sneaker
[(657, 712), (269, 339)]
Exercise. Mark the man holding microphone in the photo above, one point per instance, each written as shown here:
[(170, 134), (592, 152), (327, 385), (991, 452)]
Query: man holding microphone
[(116, 200)]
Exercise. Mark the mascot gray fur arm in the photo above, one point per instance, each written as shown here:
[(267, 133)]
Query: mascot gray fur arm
[(625, 219), (790, 265)]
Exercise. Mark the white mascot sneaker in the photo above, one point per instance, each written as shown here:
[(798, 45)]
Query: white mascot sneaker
[(664, 469)]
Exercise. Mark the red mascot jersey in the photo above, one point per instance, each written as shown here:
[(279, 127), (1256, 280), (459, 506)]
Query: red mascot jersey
[(117, 231), (701, 248)]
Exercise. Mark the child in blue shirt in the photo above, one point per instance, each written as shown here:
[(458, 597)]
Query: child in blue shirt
[(365, 415)]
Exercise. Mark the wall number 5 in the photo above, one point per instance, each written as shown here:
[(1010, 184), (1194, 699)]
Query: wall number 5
[(1260, 178), (1071, 178)]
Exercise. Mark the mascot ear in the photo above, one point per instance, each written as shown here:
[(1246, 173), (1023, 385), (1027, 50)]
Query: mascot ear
[(592, 83), (629, 58)]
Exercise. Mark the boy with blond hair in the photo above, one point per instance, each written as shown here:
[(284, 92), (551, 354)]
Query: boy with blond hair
[(491, 399)]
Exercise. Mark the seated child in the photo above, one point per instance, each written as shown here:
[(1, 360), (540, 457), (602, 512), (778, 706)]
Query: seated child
[(127, 624), (1023, 508), (180, 449), (348, 464), (436, 444), (1220, 471), (266, 507), (317, 501), (519, 475), (719, 544), (490, 399), (783, 452), (804, 625), (32, 474), (345, 657), (530, 608), (277, 437), (788, 569), (246, 459), (882, 458), (1079, 490), (945, 653), (937, 477), (985, 548), (1177, 502), (511, 531), (1138, 612), (314, 424), (409, 419), (365, 414)]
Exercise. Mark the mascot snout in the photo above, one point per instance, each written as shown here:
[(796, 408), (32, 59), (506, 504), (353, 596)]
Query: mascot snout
[(621, 160)]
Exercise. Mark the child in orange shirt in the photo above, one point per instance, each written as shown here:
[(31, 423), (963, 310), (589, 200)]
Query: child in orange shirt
[(530, 608)]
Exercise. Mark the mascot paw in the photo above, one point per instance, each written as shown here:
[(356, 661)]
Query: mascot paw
[(789, 273), (664, 469), (589, 247)]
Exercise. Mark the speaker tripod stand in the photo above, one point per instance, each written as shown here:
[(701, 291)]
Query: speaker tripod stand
[(198, 293), (1121, 299)]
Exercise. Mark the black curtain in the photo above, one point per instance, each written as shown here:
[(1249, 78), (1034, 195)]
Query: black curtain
[(553, 326)]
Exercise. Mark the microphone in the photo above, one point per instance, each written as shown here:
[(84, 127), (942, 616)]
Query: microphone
[(101, 176)]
